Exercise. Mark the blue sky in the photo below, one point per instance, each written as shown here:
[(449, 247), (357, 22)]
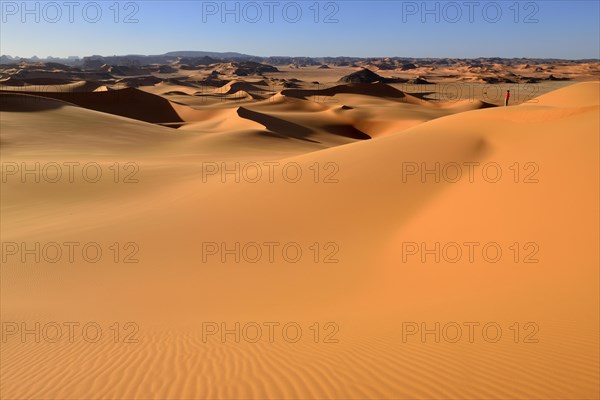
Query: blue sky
[(545, 29)]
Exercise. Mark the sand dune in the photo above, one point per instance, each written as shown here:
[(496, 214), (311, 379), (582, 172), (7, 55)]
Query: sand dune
[(285, 127), (299, 106), (131, 103), (30, 122), (355, 197), (366, 89), (236, 86), (573, 96), (41, 86), (20, 102)]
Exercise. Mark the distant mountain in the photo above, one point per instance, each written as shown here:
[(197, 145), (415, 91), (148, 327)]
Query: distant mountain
[(7, 59), (72, 60), (212, 54), (209, 57)]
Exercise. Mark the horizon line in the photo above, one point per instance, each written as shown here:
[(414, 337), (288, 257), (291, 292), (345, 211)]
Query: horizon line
[(301, 56)]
